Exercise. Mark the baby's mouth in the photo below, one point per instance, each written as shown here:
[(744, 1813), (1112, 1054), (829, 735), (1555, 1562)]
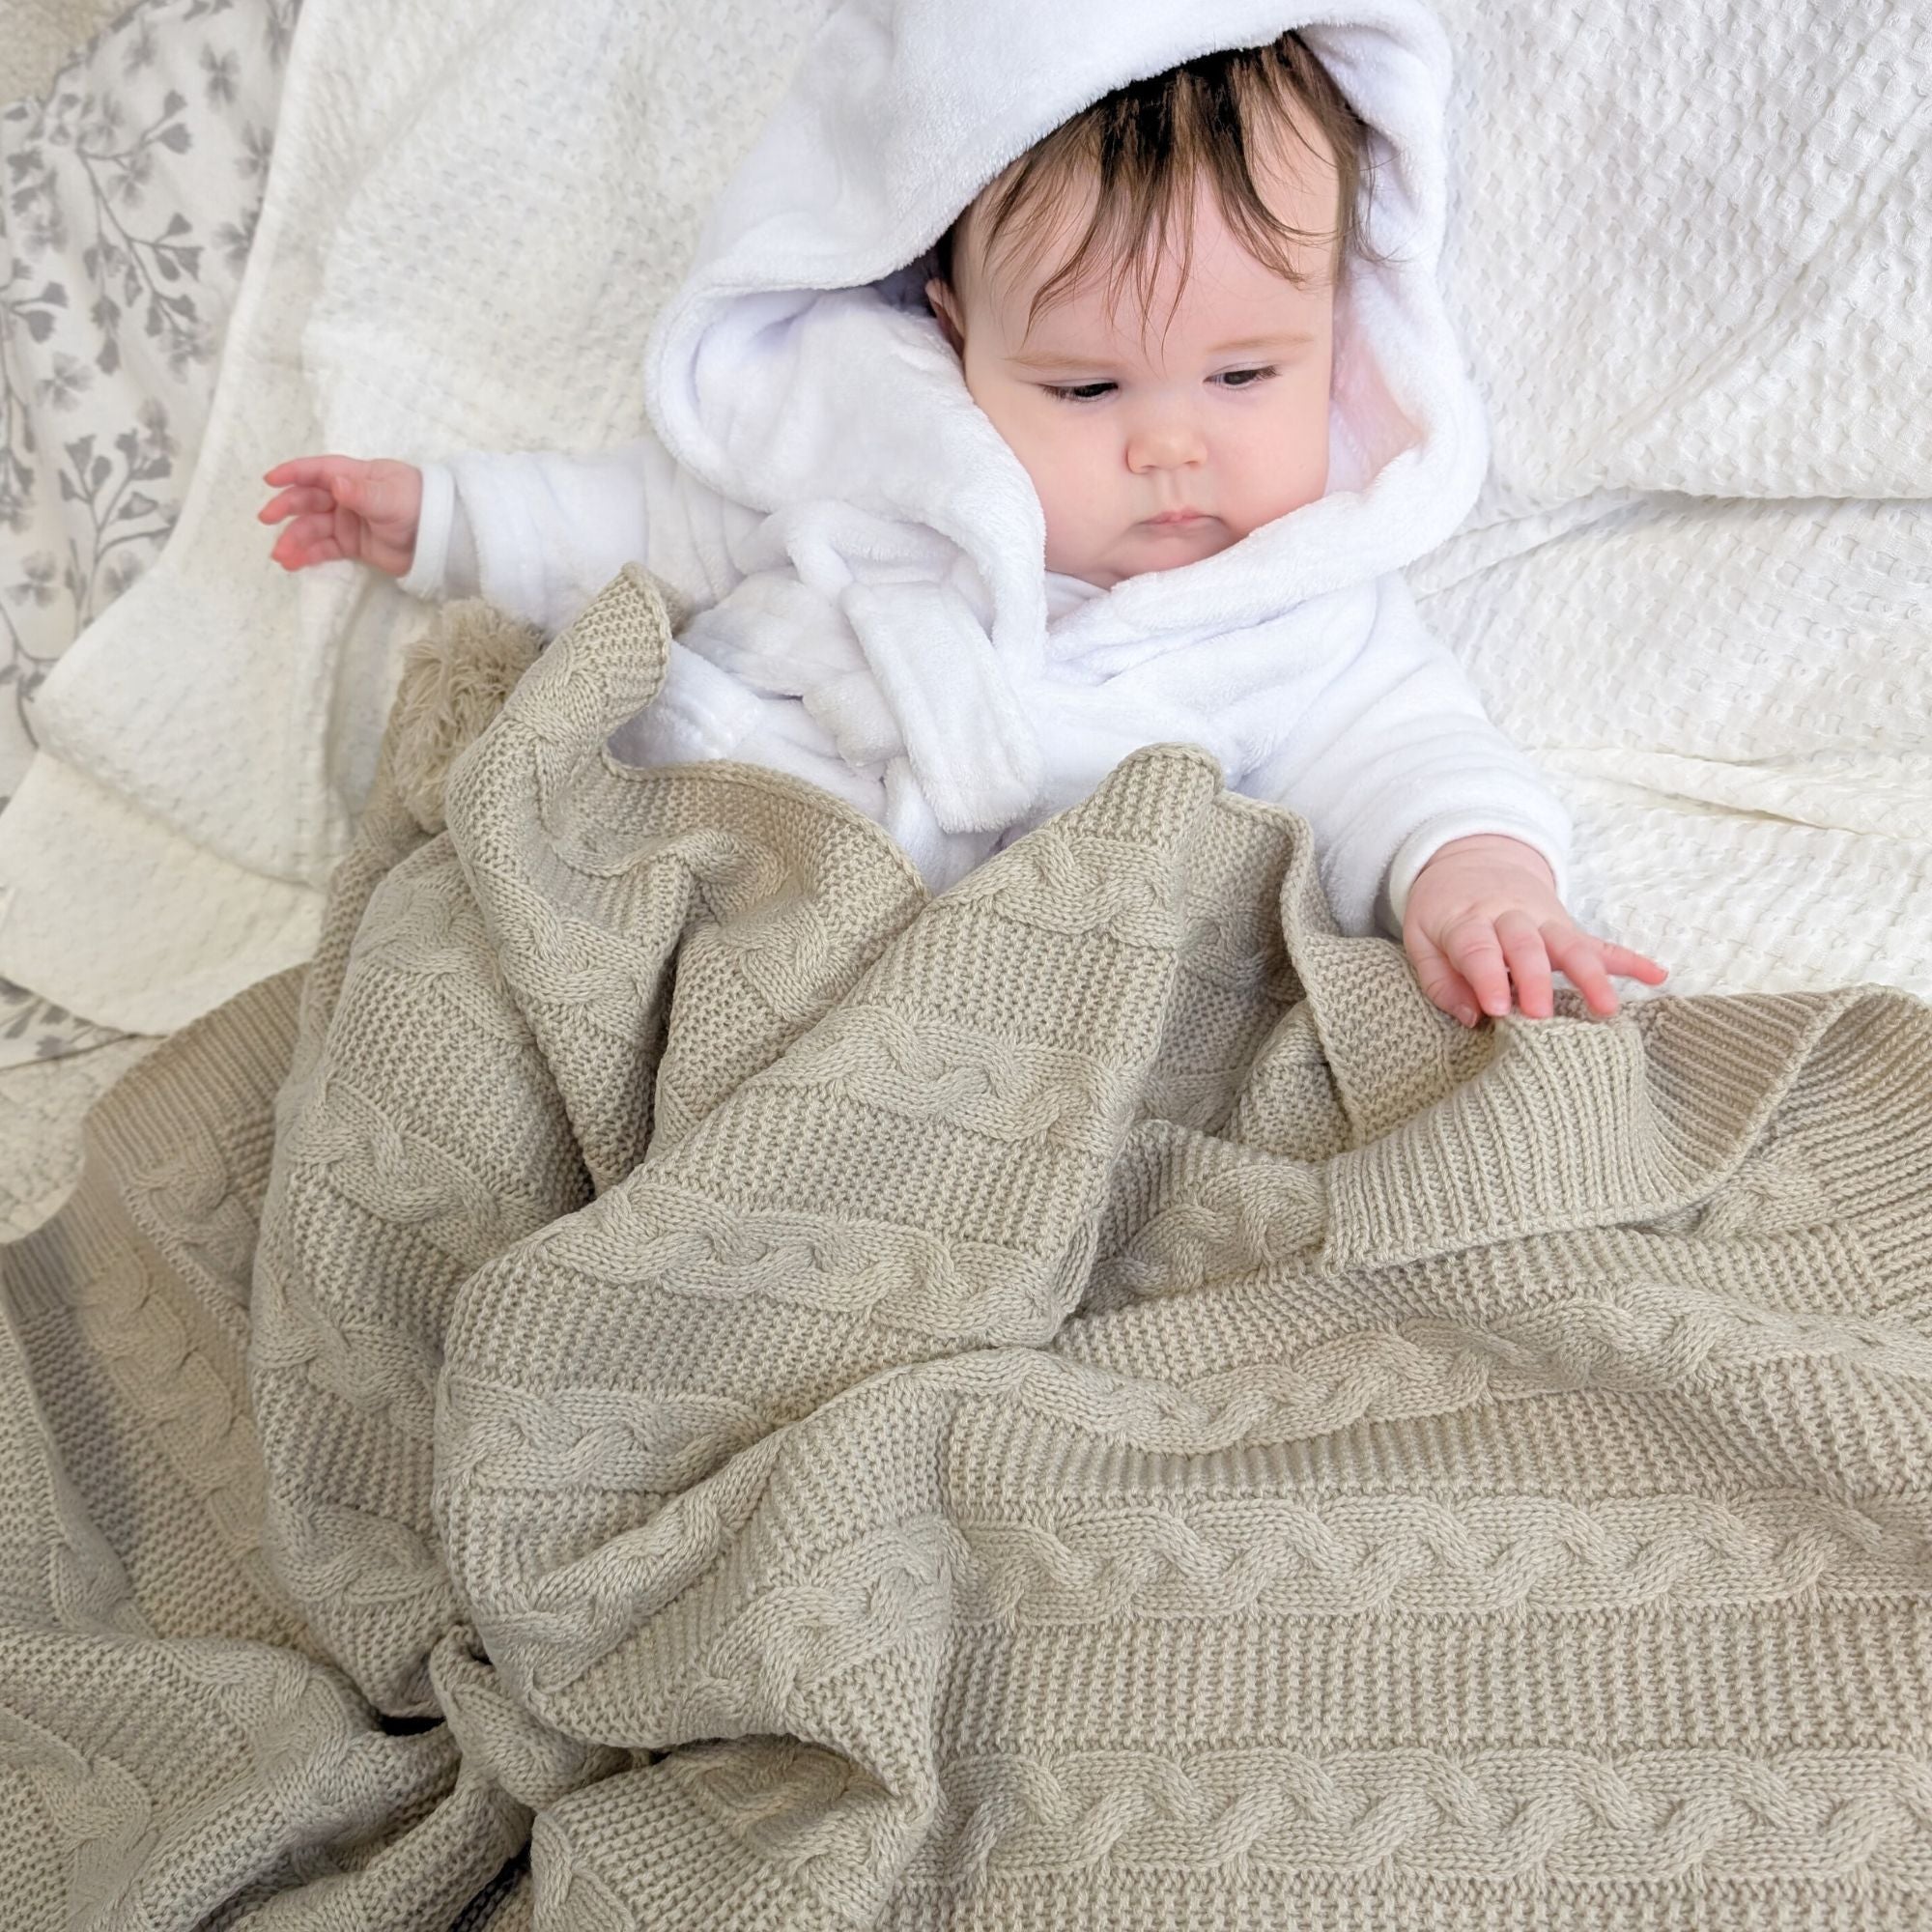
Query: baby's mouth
[(1176, 519)]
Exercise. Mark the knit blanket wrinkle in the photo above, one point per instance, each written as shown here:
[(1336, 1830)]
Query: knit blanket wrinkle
[(675, 1377)]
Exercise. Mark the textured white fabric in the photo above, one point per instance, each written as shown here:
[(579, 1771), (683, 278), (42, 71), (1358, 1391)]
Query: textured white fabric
[(1683, 245)]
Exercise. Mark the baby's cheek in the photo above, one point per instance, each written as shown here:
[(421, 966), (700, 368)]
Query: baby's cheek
[(1066, 483), (1289, 469), (1071, 526)]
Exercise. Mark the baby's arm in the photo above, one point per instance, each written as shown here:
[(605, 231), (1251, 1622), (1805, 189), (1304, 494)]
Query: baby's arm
[(535, 532), (1429, 822)]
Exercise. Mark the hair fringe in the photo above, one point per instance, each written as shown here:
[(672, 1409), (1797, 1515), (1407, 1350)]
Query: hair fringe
[(1148, 144)]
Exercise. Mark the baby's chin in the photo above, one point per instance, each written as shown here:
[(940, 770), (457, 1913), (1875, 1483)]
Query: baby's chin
[(1144, 548)]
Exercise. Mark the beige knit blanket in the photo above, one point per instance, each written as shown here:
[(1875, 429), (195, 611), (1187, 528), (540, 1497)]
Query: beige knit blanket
[(768, 1400)]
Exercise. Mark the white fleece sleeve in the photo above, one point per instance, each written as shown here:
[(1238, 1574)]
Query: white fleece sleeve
[(539, 532), (444, 565), (1390, 758)]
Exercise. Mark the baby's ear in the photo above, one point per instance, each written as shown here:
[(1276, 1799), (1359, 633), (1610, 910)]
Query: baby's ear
[(946, 306)]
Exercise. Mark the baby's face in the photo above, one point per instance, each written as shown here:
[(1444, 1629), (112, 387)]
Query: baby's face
[(1158, 445)]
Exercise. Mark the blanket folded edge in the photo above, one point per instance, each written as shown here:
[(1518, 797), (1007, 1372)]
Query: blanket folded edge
[(195, 928)]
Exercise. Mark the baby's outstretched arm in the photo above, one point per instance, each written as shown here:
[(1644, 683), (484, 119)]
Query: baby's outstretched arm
[(346, 506), (1484, 912), (535, 532)]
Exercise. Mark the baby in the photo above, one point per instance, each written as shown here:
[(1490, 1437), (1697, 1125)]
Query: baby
[(1245, 400)]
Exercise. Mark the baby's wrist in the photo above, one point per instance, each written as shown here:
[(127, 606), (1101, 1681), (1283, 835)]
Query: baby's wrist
[(1494, 846)]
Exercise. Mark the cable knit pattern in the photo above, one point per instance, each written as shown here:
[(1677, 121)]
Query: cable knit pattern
[(674, 1378)]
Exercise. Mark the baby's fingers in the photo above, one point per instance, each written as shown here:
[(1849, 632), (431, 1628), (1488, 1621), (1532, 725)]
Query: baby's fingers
[(1578, 955), (1590, 963), (350, 482), (1528, 963), (325, 470), (1439, 980), (1475, 952), (307, 540), (293, 503), (318, 472), (1629, 965)]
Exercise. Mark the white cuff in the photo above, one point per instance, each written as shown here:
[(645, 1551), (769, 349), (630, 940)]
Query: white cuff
[(424, 577)]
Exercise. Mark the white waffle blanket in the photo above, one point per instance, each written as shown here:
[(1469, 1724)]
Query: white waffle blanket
[(1684, 243)]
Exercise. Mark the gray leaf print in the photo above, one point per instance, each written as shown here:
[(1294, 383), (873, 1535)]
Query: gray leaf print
[(257, 147), (139, 54), (221, 70), (65, 387)]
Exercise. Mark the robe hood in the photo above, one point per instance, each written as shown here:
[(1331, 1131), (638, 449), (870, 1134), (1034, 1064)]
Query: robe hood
[(903, 110)]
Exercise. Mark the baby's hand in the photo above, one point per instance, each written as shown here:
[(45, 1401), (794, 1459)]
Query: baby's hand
[(1484, 911), (345, 506)]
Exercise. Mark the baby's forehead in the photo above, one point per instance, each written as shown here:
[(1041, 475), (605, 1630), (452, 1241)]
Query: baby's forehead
[(1180, 293), (1071, 216)]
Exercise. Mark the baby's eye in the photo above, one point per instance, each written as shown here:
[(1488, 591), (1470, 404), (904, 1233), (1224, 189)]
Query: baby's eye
[(1245, 379), (1081, 392)]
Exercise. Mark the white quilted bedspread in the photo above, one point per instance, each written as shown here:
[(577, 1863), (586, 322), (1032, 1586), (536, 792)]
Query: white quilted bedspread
[(1692, 261), (1688, 242)]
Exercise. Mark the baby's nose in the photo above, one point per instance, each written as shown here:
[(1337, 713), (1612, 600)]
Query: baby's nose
[(1171, 440)]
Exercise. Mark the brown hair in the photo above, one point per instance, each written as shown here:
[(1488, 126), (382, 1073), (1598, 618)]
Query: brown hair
[(1148, 142)]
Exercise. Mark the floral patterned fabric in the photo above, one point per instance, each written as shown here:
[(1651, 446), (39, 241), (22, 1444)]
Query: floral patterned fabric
[(129, 196)]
